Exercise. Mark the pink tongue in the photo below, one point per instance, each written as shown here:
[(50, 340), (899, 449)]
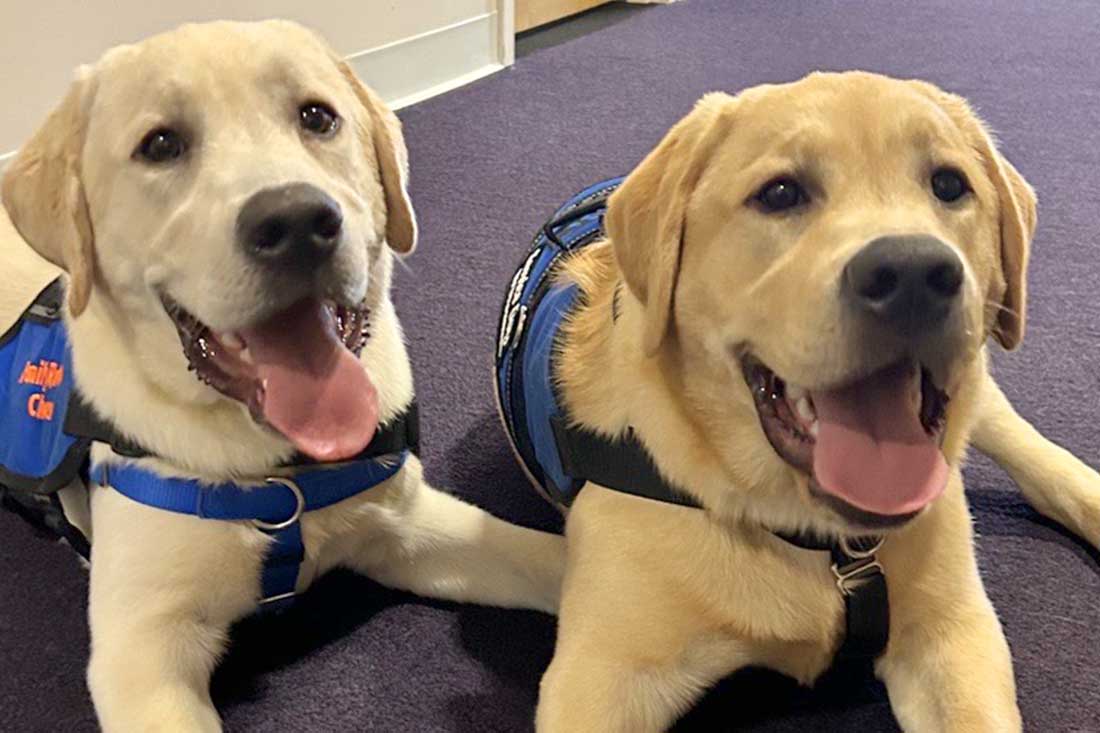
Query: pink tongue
[(315, 392), (871, 450)]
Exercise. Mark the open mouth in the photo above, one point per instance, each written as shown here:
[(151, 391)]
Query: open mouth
[(870, 446), (298, 372)]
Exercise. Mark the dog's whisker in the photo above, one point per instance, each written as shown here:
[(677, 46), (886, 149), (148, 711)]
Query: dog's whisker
[(1002, 307)]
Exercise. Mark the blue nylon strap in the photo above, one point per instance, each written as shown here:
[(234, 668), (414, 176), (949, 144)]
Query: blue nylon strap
[(272, 503), (280, 575)]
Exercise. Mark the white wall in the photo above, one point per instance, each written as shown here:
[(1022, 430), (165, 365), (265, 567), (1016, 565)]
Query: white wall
[(405, 49)]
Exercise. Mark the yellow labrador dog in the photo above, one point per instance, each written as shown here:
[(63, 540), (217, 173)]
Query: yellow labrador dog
[(226, 200), (790, 313)]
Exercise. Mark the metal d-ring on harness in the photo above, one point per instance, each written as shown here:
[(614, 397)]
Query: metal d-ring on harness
[(560, 457), (299, 507)]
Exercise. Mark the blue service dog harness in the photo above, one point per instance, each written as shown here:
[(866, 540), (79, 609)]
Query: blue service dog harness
[(48, 430), (560, 456)]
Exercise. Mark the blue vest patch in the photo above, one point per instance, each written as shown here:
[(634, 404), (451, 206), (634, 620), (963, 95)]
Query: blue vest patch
[(36, 454), (534, 309)]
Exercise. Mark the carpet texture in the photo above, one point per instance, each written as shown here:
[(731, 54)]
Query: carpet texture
[(489, 163)]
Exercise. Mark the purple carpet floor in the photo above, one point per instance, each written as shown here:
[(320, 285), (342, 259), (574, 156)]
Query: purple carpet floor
[(489, 163)]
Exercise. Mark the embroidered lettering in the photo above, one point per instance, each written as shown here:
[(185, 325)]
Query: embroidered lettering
[(44, 374), (39, 407)]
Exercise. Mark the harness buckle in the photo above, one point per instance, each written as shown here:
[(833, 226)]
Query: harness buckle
[(850, 575), (863, 563), (298, 510)]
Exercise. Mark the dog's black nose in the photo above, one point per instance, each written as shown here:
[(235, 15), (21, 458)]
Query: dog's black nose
[(909, 283), (296, 225)]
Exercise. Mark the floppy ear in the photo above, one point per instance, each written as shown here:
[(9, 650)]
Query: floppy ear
[(1018, 219), (393, 164), (645, 216), (44, 195), (1017, 205)]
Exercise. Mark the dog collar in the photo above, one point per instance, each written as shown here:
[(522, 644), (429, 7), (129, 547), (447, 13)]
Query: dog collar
[(560, 457)]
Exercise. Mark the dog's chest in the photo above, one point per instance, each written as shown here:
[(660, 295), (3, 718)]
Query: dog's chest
[(339, 536), (781, 594)]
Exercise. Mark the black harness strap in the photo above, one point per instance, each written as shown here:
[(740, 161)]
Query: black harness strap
[(623, 465), (862, 582), (626, 466), (82, 421)]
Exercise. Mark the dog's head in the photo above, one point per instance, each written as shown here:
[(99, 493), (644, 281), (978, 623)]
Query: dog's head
[(823, 262), (230, 188)]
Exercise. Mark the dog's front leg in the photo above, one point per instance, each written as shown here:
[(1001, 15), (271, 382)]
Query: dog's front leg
[(436, 545), (152, 673), (635, 649), (947, 667), (952, 674), (164, 589), (592, 685), (1054, 481)]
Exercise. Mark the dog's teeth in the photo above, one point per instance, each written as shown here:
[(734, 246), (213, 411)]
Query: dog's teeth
[(805, 411), (246, 355), (796, 393), (815, 426)]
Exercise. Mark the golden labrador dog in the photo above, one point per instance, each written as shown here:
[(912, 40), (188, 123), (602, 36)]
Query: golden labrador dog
[(225, 200), (790, 313)]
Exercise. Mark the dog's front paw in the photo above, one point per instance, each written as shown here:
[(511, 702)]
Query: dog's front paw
[(1072, 497)]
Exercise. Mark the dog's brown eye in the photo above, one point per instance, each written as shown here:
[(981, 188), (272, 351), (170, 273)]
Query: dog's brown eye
[(781, 194), (949, 185), (318, 118), (161, 145)]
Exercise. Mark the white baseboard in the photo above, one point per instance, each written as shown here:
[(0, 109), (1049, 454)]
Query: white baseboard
[(417, 68)]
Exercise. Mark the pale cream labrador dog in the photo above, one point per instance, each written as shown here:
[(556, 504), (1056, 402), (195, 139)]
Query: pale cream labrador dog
[(807, 275), (200, 330)]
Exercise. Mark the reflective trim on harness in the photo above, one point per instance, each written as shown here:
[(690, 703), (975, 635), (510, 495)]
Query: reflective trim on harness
[(560, 456)]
